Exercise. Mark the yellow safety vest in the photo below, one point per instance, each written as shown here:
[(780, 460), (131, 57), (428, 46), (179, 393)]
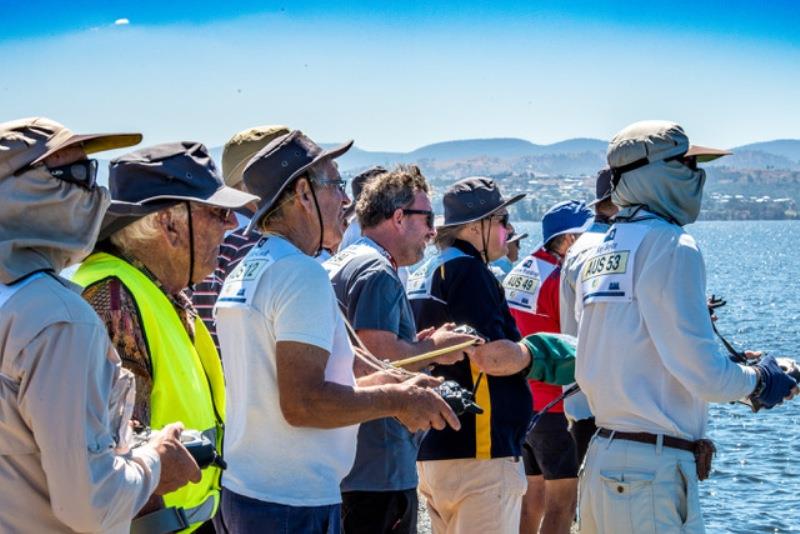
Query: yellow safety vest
[(188, 383)]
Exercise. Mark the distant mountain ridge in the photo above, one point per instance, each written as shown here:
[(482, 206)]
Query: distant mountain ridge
[(579, 156)]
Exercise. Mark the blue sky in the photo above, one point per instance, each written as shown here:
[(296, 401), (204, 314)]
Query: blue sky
[(396, 76)]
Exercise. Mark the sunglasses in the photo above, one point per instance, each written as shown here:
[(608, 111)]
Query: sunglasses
[(427, 213), (504, 218), (82, 173), (690, 161)]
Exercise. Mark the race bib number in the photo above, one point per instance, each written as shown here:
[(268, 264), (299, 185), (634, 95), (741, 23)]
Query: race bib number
[(523, 283), (607, 274)]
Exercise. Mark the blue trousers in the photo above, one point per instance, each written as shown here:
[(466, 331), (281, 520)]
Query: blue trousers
[(242, 515)]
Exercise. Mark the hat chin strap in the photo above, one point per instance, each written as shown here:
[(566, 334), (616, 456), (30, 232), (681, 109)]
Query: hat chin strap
[(485, 241), (191, 242), (319, 218)]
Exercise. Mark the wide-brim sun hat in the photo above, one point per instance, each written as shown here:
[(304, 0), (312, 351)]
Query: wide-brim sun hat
[(568, 217), (157, 177), (645, 142), (277, 165), (29, 141), (472, 199)]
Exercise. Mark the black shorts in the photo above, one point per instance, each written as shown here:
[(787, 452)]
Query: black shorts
[(582, 432), (549, 449)]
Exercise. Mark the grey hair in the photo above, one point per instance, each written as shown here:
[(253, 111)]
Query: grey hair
[(445, 237), (132, 237)]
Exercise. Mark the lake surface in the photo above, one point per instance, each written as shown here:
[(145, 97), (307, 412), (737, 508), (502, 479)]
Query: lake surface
[(755, 266)]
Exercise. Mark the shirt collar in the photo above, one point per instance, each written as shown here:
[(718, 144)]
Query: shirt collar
[(467, 248), (364, 240)]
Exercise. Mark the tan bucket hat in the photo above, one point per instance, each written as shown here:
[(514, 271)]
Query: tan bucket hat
[(29, 141), (243, 146)]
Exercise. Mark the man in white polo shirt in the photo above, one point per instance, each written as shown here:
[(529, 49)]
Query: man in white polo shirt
[(293, 403)]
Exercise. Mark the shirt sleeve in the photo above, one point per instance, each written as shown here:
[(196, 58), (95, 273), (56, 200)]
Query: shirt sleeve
[(66, 399), (566, 297), (301, 302), (672, 294), (377, 302)]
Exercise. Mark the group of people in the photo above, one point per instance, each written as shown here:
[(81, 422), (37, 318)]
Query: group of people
[(308, 338)]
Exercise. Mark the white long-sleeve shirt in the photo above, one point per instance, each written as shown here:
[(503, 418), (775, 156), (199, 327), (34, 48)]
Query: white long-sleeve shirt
[(61, 412), (652, 364)]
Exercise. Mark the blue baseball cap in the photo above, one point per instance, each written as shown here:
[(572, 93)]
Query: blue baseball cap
[(568, 217)]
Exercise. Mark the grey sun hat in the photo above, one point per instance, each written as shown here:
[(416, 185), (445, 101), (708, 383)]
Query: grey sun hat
[(649, 141), (154, 178), (276, 165), (30, 141), (243, 146), (472, 199)]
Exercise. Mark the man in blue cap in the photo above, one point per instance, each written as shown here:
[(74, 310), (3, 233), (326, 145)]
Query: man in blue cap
[(169, 213), (549, 450)]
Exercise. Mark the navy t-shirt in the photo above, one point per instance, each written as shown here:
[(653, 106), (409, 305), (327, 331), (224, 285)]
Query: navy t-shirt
[(372, 297)]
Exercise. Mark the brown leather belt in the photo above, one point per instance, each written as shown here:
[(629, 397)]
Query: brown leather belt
[(703, 449), (644, 437)]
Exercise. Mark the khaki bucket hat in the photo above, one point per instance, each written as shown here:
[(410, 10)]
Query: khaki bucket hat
[(243, 146)]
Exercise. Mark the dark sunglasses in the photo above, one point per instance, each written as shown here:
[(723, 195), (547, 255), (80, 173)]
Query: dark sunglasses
[(502, 218), (427, 213), (82, 173), (690, 161)]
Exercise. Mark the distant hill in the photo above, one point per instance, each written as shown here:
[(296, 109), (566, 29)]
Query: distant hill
[(579, 156), (787, 148)]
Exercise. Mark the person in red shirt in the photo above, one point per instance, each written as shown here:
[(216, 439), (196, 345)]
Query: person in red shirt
[(549, 451)]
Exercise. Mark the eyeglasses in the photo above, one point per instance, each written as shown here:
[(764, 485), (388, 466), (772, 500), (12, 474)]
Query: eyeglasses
[(502, 218), (340, 184), (427, 213), (222, 214)]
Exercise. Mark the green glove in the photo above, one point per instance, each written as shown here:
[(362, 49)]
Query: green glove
[(552, 358)]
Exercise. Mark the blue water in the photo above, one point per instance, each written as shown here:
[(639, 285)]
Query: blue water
[(755, 266)]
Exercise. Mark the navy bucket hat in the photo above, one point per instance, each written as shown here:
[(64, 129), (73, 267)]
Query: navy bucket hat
[(157, 177)]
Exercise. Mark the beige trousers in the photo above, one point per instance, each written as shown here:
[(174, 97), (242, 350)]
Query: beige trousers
[(480, 496), (627, 487)]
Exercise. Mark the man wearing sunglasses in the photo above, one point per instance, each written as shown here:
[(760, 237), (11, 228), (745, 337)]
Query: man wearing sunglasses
[(65, 401), (394, 210), (169, 213)]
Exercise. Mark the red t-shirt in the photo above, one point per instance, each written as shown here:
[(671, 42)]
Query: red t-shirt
[(543, 318)]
